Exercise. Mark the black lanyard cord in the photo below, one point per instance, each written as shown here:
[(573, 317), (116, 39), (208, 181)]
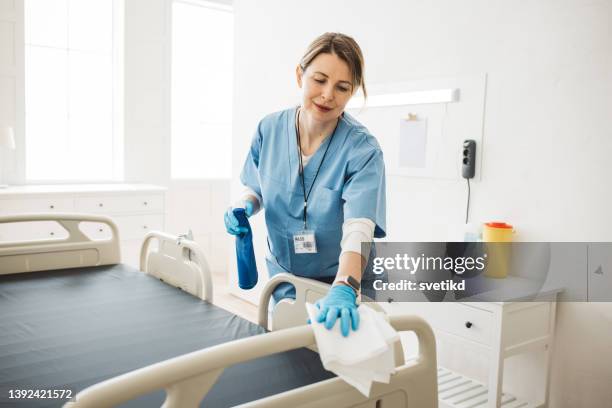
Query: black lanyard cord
[(297, 128)]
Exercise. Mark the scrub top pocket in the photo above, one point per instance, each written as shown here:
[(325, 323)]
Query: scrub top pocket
[(325, 211)]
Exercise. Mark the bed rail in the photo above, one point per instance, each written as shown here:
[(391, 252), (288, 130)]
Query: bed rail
[(289, 312), (178, 261), (76, 250), (292, 312), (188, 378)]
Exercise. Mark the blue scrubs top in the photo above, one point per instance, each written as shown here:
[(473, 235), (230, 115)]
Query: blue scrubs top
[(350, 184)]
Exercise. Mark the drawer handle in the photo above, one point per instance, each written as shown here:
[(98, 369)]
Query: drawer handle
[(144, 227), (51, 206), (100, 205), (145, 203), (468, 324), (100, 230), (52, 233)]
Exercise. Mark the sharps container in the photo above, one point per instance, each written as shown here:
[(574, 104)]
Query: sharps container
[(498, 238)]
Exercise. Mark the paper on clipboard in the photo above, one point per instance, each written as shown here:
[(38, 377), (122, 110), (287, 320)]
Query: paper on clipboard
[(413, 143)]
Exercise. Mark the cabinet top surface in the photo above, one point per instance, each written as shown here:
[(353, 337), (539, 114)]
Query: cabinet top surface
[(12, 191)]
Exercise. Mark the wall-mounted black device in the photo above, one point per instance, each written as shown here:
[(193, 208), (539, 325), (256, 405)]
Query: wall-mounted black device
[(468, 157)]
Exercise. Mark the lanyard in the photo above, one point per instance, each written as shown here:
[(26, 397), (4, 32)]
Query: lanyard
[(297, 129)]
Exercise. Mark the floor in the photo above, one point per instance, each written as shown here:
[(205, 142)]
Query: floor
[(224, 299)]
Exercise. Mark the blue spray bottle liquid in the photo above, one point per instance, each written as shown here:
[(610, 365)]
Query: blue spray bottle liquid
[(245, 255)]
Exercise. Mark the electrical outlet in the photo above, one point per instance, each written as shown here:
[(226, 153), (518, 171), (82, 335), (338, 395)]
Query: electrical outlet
[(468, 159)]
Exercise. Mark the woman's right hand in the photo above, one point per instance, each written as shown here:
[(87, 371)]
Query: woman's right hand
[(231, 222)]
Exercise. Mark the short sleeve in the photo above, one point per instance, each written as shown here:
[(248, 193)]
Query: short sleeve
[(250, 171), (364, 191)]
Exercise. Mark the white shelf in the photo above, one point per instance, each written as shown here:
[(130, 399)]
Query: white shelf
[(458, 391)]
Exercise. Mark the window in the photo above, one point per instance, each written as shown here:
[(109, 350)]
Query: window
[(71, 85), (202, 83)]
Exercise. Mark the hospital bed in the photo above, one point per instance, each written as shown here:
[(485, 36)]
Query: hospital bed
[(72, 317)]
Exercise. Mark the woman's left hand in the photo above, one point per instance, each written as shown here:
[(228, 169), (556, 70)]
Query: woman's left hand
[(340, 302), (231, 222)]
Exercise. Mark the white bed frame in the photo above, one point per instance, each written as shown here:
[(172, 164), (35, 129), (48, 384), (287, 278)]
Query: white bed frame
[(76, 250), (187, 378), (176, 260)]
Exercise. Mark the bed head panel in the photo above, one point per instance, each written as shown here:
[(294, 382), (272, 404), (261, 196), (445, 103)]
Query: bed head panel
[(178, 261), (290, 312), (75, 251)]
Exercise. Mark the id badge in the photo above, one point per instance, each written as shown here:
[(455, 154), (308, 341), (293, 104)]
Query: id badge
[(304, 242)]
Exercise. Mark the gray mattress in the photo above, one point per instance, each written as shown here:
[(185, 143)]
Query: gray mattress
[(69, 329)]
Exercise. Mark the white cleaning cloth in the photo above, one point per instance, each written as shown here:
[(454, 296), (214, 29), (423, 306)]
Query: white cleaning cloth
[(364, 356)]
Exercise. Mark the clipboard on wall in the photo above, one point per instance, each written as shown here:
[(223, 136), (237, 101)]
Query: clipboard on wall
[(412, 142)]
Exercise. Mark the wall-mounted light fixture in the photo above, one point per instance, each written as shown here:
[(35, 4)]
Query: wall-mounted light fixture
[(406, 98)]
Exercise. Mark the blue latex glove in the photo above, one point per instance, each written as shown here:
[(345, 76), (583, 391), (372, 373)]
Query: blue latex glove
[(339, 302), (231, 222)]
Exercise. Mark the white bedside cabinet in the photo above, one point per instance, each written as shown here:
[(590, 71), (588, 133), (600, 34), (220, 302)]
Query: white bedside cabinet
[(498, 330), (136, 208)]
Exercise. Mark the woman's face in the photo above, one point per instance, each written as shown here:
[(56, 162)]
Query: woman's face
[(326, 87)]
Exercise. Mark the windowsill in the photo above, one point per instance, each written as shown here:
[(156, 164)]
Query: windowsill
[(181, 183), (30, 189), (68, 182)]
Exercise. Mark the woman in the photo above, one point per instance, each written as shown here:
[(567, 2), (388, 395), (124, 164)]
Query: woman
[(320, 176)]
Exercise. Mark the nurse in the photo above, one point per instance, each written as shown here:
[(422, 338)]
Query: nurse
[(320, 176)]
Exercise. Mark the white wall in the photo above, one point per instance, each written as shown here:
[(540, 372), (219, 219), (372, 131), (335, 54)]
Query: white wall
[(199, 206), (147, 90), (546, 139), (11, 84)]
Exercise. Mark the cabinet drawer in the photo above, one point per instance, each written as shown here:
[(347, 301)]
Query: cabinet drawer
[(465, 321), (120, 204), (36, 205), (96, 231), (31, 231), (455, 318), (136, 226)]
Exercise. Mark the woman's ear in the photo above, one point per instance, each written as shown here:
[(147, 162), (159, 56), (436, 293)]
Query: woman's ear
[(299, 73)]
